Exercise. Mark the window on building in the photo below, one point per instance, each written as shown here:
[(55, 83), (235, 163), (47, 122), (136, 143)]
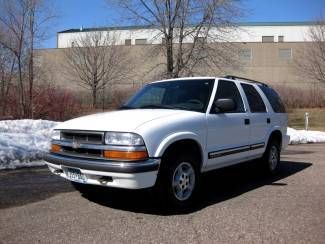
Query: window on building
[(285, 53), (280, 38), (228, 89), (267, 38), (245, 54), (254, 99), (128, 42), (140, 41)]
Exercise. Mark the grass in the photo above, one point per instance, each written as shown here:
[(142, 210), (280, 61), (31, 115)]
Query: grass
[(316, 118)]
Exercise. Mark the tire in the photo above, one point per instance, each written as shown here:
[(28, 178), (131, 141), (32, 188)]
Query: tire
[(178, 179), (271, 157)]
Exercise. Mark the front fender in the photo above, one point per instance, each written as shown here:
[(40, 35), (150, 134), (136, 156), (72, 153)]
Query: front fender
[(170, 139)]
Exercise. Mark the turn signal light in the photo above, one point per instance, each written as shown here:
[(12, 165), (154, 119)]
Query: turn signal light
[(126, 155), (55, 148)]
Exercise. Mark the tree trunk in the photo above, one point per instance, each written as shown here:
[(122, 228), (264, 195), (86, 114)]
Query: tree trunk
[(21, 89), (3, 97), (170, 58), (94, 91), (31, 81), (31, 64)]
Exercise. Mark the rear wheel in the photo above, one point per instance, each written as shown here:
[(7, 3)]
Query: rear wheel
[(271, 157)]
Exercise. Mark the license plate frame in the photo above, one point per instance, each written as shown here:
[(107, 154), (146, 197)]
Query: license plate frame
[(74, 174)]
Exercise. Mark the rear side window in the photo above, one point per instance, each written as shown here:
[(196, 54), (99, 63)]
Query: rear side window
[(274, 99), (228, 89), (254, 99)]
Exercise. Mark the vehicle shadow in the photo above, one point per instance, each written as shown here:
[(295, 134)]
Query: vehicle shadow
[(216, 186)]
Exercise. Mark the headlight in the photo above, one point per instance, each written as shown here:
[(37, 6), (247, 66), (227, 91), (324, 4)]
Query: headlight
[(123, 139), (56, 135)]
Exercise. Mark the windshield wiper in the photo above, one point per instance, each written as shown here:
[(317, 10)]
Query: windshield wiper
[(156, 106), (125, 107)]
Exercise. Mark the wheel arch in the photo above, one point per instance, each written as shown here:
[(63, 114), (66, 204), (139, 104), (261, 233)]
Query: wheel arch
[(276, 134), (183, 140)]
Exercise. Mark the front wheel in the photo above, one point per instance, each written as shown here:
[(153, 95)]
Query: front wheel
[(271, 157), (178, 179)]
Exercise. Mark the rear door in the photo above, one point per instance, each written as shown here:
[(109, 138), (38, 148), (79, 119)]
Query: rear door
[(259, 119), (228, 135)]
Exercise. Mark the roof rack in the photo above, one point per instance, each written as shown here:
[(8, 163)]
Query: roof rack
[(233, 77)]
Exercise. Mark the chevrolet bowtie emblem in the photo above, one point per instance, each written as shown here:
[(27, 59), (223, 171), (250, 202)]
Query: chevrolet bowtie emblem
[(75, 144)]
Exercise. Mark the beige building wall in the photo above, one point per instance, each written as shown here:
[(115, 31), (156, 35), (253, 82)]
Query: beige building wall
[(265, 63)]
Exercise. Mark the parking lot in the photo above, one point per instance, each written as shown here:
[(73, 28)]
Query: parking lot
[(236, 205)]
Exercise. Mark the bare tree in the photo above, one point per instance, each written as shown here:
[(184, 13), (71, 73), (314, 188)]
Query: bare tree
[(193, 32), (94, 60), (311, 63), (21, 23), (13, 24), (7, 66), (40, 16)]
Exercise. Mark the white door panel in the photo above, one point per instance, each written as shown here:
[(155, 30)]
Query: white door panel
[(227, 137), (259, 127)]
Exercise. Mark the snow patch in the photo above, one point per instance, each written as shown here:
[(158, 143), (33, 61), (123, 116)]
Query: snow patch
[(24, 142), (305, 136)]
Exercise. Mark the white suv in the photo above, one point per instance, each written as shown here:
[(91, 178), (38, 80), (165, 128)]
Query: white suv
[(170, 132)]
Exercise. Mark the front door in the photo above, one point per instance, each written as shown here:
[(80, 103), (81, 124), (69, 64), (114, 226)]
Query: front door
[(228, 133)]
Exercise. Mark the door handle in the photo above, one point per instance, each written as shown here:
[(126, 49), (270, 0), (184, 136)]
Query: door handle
[(247, 121), (268, 120)]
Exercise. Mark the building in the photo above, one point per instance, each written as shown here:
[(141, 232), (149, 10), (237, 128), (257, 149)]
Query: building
[(266, 51), (243, 33)]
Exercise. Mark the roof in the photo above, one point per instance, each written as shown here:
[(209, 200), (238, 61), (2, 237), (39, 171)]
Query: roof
[(137, 27)]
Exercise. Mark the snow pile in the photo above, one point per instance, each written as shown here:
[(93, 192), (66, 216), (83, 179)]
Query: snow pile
[(24, 142), (304, 136)]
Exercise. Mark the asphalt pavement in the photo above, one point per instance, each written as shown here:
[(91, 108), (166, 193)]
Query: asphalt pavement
[(238, 204)]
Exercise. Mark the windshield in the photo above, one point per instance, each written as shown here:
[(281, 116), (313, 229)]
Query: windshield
[(193, 95)]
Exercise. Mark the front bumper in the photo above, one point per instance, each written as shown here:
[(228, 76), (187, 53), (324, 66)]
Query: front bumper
[(135, 175)]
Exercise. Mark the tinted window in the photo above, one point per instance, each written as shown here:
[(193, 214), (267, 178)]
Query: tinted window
[(228, 89), (274, 99), (254, 99), (191, 95)]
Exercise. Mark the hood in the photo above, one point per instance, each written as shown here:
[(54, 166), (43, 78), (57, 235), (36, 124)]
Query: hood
[(122, 120)]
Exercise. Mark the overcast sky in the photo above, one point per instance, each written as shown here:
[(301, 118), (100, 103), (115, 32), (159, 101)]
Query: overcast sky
[(90, 13)]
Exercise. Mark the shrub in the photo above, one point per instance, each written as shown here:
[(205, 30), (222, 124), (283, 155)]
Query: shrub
[(55, 103), (49, 102), (297, 97)]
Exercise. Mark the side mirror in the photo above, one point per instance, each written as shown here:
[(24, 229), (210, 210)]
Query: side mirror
[(224, 105)]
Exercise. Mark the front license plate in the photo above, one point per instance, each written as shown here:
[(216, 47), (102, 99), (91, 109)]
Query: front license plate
[(74, 174)]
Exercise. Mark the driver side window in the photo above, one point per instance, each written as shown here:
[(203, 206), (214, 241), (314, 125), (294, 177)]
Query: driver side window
[(228, 89)]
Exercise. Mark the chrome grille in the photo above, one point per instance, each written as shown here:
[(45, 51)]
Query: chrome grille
[(82, 151), (82, 143), (83, 137)]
